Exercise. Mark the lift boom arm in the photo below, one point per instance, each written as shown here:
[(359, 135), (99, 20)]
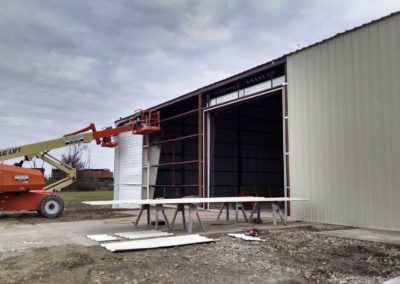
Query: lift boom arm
[(142, 122), (40, 150)]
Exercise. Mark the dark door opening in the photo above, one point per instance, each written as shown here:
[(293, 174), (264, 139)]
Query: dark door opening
[(246, 149)]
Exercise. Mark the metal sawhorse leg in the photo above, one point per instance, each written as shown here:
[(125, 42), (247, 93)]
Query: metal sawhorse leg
[(237, 206), (144, 207), (179, 208), (256, 207), (160, 208), (193, 209), (277, 210), (225, 204)]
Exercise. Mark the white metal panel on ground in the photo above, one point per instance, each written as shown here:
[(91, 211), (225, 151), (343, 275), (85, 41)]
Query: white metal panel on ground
[(343, 111), (157, 243), (395, 280), (246, 238), (102, 238), (195, 200), (128, 169), (143, 234)]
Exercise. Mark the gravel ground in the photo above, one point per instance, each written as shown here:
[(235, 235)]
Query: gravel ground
[(289, 255)]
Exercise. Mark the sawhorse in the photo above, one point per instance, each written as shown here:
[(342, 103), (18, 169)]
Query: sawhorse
[(276, 210), (159, 208), (192, 209), (238, 206)]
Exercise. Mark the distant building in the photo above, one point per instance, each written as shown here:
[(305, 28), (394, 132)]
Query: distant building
[(97, 173), (88, 179)]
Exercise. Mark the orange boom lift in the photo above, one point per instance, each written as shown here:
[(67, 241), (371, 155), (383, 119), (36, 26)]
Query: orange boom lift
[(23, 189)]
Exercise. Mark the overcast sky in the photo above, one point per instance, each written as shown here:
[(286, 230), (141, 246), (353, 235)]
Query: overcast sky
[(64, 64)]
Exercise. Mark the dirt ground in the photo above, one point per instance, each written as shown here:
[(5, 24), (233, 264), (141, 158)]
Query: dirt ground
[(289, 255), (73, 211)]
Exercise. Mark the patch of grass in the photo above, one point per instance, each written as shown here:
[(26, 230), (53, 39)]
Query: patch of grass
[(86, 195)]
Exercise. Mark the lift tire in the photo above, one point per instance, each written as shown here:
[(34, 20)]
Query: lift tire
[(51, 206)]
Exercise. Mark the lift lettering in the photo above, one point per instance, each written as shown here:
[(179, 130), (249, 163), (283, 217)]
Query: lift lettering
[(10, 152)]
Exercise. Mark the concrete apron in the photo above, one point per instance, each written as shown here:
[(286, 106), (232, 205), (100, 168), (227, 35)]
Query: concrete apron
[(381, 236), (22, 236), (15, 237)]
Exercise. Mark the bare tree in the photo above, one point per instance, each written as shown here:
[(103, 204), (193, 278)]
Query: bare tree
[(77, 156), (74, 156)]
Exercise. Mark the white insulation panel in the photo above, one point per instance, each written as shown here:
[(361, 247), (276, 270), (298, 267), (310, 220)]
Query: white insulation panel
[(128, 169)]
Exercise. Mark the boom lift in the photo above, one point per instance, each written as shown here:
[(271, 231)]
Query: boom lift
[(23, 189)]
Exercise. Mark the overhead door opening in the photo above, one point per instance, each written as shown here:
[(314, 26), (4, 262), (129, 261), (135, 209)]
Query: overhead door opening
[(246, 151)]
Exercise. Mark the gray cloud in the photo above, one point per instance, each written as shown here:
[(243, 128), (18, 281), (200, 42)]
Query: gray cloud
[(64, 64)]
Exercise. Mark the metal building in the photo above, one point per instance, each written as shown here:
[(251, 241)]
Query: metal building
[(318, 123)]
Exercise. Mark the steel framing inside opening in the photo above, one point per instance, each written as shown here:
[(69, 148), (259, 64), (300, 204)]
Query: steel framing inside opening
[(246, 153)]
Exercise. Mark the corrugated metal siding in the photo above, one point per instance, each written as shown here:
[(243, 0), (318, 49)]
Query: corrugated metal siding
[(128, 168), (344, 118)]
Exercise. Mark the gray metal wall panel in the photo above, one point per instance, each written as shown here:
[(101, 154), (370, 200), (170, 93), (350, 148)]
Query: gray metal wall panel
[(344, 118)]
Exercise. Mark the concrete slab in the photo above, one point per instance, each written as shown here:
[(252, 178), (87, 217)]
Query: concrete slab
[(20, 237), (25, 236), (381, 236)]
